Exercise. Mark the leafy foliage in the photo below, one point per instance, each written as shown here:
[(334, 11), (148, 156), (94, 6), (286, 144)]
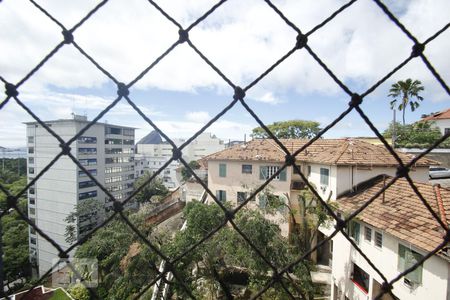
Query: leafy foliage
[(89, 210), (14, 235), (186, 173), (79, 292), (206, 269), (294, 129), (417, 135), (404, 93), (150, 190)]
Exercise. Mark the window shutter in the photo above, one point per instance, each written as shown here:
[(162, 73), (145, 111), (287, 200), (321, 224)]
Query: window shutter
[(224, 196), (222, 170), (283, 175), (263, 172)]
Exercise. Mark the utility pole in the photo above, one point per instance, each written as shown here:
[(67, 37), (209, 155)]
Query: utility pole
[(393, 131)]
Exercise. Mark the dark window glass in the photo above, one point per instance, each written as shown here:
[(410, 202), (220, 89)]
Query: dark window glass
[(246, 169), (360, 278)]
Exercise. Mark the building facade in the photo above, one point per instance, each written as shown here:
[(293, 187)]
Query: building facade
[(152, 153), (105, 150), (394, 232), (333, 166)]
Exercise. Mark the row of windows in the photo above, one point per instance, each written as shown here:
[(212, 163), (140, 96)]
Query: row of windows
[(87, 140), (31, 139), (119, 187), (113, 179), (118, 130), (88, 162), (265, 172), (86, 195), (119, 142), (109, 170), (119, 150), (354, 231), (93, 172), (86, 184), (117, 160), (85, 151)]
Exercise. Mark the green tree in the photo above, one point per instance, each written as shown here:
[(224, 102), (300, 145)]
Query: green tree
[(88, 211), (293, 129), (209, 269), (79, 292), (404, 93), (186, 173), (417, 135), (150, 190)]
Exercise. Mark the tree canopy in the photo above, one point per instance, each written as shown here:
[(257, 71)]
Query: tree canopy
[(293, 129), (416, 135), (151, 189), (404, 93), (186, 173)]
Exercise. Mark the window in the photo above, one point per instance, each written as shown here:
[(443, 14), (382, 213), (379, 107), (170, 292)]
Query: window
[(265, 172), (309, 170), (221, 195), (87, 140), (31, 150), (324, 176), (88, 162), (86, 195), (85, 184), (246, 169), (378, 239), (31, 160), (360, 278), (367, 233), (406, 259), (33, 240), (113, 150), (299, 168), (222, 170), (113, 141), (85, 151), (113, 130), (354, 231), (241, 196), (32, 211), (93, 172), (31, 190), (128, 132), (31, 170), (31, 139), (446, 130), (32, 201), (129, 142)]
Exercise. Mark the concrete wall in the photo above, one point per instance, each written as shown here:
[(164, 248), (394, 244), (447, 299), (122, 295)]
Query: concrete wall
[(347, 175), (434, 276), (442, 124)]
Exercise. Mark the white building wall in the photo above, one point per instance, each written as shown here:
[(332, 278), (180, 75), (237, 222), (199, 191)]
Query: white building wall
[(235, 181), (442, 124), (434, 277), (351, 174), (56, 193)]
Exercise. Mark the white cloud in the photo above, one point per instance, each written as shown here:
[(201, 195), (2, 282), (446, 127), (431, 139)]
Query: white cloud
[(198, 116), (243, 38)]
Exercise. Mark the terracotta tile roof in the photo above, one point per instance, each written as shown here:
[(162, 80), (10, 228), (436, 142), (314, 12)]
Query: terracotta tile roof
[(399, 211), (445, 114), (325, 151)]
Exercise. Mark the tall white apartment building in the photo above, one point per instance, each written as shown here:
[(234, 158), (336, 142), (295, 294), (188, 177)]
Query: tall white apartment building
[(152, 153), (105, 150)]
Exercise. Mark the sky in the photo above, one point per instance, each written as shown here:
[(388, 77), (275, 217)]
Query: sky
[(242, 38)]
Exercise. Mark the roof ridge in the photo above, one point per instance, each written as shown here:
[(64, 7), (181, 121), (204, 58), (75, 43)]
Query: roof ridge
[(345, 146), (440, 204)]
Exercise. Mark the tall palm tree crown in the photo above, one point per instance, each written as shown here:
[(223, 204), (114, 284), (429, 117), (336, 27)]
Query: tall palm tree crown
[(403, 93)]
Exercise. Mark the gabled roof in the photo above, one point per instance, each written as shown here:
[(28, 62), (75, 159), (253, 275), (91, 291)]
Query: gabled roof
[(445, 114), (399, 211), (323, 151)]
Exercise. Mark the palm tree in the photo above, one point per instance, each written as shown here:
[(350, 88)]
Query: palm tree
[(405, 91)]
